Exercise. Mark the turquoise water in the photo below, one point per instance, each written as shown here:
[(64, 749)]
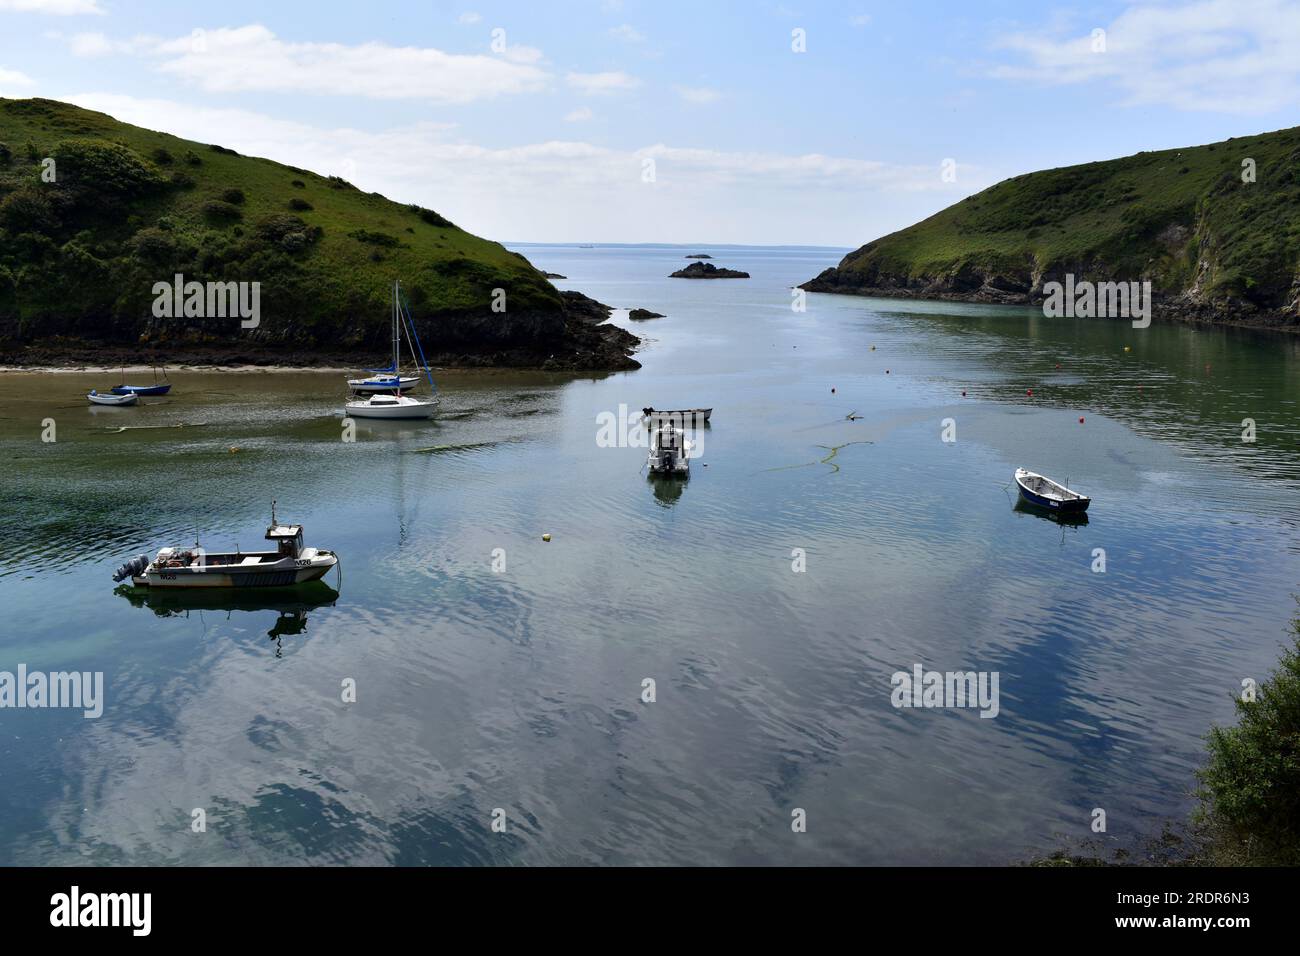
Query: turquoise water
[(521, 688)]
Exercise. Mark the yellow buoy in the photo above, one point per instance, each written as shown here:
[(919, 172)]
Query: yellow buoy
[(233, 449), (546, 537)]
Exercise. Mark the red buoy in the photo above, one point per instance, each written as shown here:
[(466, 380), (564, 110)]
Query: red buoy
[(1080, 419), (1029, 391)]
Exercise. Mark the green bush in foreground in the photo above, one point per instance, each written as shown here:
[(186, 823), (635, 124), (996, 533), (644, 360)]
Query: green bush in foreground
[(1250, 789)]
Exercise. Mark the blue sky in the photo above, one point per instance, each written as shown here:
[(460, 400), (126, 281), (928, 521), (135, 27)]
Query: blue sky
[(548, 133)]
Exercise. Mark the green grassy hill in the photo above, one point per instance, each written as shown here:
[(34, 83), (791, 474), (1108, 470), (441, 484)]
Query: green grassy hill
[(130, 207), (1214, 247)]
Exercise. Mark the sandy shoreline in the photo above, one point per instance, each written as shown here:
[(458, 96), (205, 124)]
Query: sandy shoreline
[(148, 370)]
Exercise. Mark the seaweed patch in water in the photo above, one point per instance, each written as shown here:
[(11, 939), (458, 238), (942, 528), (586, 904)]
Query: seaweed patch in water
[(833, 449)]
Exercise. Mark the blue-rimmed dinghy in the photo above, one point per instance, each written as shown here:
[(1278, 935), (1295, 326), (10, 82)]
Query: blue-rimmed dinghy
[(1046, 493), (157, 388), (141, 389)]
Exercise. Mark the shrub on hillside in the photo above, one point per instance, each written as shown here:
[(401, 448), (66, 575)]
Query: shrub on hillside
[(1250, 789), (6, 155), (28, 210), (431, 217), (97, 168), (301, 205), (298, 184), (375, 238), (338, 182), (162, 157), (153, 246), (275, 227), (219, 211), (233, 196)]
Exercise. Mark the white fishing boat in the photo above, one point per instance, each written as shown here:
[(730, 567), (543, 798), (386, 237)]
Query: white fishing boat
[(289, 564), (386, 400), (669, 452), (97, 398)]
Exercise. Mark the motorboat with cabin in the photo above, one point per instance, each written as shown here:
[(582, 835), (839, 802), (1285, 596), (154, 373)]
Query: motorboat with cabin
[(289, 564), (669, 451)]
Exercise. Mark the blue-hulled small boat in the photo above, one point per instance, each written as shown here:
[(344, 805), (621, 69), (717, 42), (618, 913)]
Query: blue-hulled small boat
[(157, 388), (141, 389), (1046, 493)]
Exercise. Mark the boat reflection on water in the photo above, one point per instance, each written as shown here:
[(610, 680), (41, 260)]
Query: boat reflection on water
[(1068, 519), (292, 603), (667, 489)]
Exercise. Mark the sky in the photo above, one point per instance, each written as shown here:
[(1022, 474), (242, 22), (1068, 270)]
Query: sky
[(814, 123)]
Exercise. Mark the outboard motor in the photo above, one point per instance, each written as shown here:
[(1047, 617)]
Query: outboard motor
[(133, 567)]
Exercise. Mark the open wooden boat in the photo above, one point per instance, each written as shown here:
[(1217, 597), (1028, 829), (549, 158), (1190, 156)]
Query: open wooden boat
[(681, 416), (95, 398), (1046, 493)]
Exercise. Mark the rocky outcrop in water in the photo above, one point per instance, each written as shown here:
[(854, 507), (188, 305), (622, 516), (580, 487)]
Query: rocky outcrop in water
[(707, 270)]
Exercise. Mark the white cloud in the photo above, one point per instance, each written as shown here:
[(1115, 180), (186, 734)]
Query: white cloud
[(581, 114), (698, 94), (60, 8), (560, 189), (1240, 56), (626, 31), (253, 59), (468, 18), (13, 84), (860, 20), (595, 83)]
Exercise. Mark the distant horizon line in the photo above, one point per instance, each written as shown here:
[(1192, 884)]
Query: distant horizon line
[(686, 245)]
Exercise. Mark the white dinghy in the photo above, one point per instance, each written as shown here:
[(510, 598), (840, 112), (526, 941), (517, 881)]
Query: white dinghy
[(96, 398)]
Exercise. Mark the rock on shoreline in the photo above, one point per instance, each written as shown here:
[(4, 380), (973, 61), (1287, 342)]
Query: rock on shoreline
[(1003, 289), (640, 315), (588, 343)]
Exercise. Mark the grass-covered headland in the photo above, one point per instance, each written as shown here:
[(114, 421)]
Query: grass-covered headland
[(94, 212), (1215, 229)]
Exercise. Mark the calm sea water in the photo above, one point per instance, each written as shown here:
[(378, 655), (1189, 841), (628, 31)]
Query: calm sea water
[(521, 689)]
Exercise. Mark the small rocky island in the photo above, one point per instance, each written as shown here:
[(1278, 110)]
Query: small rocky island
[(706, 270), (640, 315), (699, 255)]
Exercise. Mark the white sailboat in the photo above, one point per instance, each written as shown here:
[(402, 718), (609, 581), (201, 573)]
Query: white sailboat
[(390, 403)]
